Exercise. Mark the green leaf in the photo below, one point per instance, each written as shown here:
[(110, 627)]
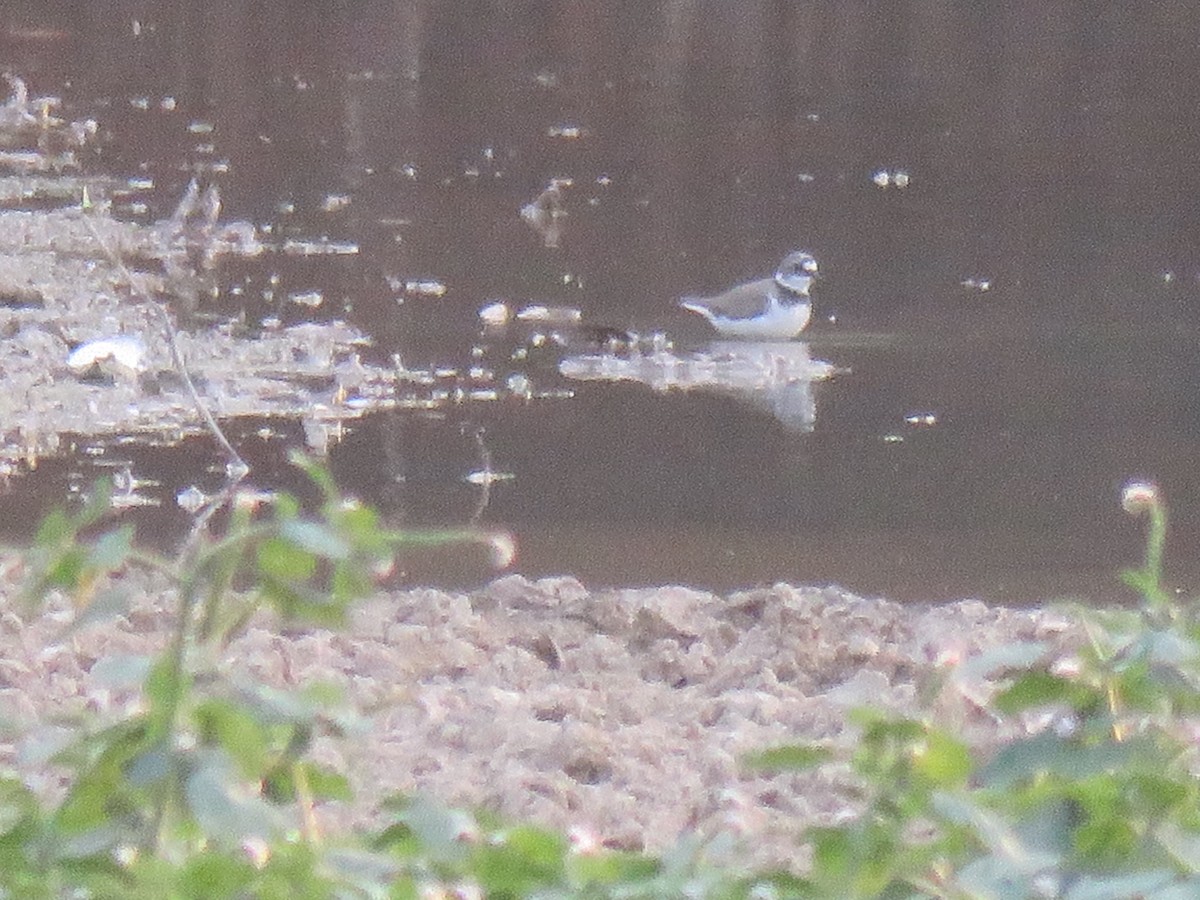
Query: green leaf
[(1182, 844), (315, 538), (322, 783), (991, 877), (790, 758), (65, 570), (55, 528), (283, 560), (121, 670), (325, 783), (101, 794), (231, 727), (361, 524), (304, 604), (112, 549), (1046, 754), (162, 688), (1139, 580), (317, 473), (1119, 886), (1019, 855), (1170, 648), (858, 860), (17, 805), (610, 868), (943, 760), (1006, 657), (441, 831), (521, 860), (370, 873), (46, 743), (108, 604), (150, 766), (226, 808), (1188, 889), (1039, 688), (215, 875)]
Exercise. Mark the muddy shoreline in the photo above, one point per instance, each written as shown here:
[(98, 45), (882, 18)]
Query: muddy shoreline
[(621, 714)]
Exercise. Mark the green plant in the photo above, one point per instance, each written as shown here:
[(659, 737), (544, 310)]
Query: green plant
[(196, 792), (1099, 800), (207, 791)]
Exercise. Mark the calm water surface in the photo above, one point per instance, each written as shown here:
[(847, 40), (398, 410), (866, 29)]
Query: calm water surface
[(1014, 329)]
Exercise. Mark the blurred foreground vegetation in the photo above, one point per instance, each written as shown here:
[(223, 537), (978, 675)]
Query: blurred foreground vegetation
[(205, 788)]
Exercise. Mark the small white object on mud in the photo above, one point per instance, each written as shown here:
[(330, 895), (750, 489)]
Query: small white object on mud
[(124, 351)]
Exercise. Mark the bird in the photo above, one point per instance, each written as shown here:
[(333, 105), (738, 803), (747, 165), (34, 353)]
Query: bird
[(775, 308)]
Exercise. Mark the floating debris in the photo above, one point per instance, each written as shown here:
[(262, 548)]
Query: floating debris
[(921, 419), (885, 179), (566, 132), (333, 203), (425, 287), (322, 246), (550, 315), (520, 385), (191, 240), (311, 299), (27, 124), (495, 315), (486, 476), (981, 285)]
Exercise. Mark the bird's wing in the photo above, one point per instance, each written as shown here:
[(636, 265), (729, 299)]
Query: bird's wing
[(738, 302)]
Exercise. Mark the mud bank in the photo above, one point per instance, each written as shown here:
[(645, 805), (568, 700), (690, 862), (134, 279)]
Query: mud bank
[(623, 713), (74, 277)]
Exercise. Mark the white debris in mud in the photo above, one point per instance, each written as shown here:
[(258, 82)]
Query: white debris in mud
[(550, 315), (126, 352)]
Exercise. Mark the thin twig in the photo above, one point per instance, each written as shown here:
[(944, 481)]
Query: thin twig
[(485, 482), (237, 466)]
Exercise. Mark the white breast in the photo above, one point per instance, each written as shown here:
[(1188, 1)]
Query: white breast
[(780, 321)]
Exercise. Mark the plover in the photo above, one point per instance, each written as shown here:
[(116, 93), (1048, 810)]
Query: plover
[(776, 308)]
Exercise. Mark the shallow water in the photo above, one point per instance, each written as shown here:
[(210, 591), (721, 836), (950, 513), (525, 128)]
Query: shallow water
[(1002, 201)]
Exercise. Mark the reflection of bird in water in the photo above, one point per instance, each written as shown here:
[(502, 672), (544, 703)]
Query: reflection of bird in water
[(776, 308)]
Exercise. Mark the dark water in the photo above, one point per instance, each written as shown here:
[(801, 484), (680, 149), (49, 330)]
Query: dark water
[(974, 441)]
